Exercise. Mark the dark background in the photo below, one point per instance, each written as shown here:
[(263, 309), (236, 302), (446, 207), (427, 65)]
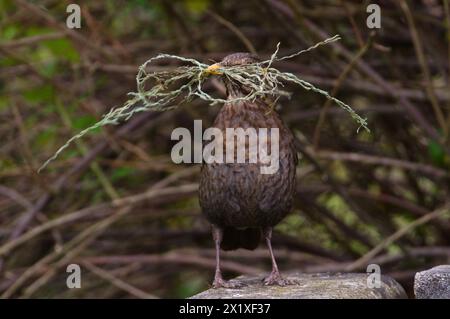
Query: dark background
[(116, 204)]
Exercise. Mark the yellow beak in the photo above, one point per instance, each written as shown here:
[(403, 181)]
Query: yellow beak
[(213, 69)]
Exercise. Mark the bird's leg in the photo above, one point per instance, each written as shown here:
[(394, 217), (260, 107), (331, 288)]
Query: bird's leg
[(217, 233), (219, 282), (275, 277)]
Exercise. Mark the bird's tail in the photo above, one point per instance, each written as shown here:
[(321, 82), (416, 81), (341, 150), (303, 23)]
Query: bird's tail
[(234, 238)]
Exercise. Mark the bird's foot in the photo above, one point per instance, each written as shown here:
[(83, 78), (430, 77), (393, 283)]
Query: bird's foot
[(275, 279), (221, 283)]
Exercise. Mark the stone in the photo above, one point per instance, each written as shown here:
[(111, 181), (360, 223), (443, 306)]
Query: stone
[(433, 283), (311, 286)]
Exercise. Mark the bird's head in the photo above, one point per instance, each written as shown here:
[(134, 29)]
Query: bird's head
[(235, 59)]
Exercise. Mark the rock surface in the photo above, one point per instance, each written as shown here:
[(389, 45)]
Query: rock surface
[(310, 286), (433, 283)]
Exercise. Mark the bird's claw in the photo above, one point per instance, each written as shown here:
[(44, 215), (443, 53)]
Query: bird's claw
[(275, 279), (221, 283)]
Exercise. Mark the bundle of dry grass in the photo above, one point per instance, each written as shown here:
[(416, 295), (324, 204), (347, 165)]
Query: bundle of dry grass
[(169, 89)]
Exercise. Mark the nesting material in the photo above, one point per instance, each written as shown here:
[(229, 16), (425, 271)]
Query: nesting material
[(165, 90)]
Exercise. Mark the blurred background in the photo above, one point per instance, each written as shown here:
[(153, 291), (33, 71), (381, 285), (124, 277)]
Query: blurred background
[(114, 202)]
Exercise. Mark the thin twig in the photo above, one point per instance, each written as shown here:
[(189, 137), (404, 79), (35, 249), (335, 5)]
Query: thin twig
[(440, 117), (118, 282), (72, 217), (364, 260), (386, 161), (248, 44)]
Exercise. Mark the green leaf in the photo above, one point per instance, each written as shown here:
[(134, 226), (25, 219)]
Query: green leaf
[(8, 61), (141, 3), (9, 32), (122, 172), (37, 30), (62, 49), (39, 94), (197, 6), (46, 137), (49, 69), (436, 153), (4, 101)]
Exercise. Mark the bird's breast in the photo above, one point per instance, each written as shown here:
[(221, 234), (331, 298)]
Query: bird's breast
[(237, 193)]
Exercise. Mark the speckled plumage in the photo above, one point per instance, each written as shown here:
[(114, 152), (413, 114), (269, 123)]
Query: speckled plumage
[(240, 202), (238, 195)]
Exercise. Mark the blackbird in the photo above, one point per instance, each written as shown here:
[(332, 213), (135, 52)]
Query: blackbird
[(241, 203)]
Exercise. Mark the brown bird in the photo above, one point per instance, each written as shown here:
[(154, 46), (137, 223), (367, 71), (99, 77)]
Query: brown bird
[(241, 202)]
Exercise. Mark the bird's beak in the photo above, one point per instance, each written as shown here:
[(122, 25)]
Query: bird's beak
[(213, 69)]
